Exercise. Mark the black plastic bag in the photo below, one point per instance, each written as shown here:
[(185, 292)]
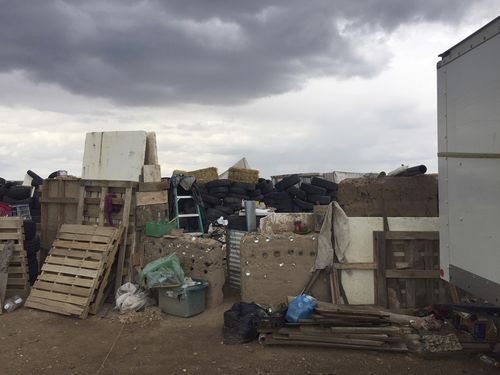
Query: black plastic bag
[(241, 322)]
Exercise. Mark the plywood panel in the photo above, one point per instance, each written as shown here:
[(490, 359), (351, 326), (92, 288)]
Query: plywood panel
[(114, 155)]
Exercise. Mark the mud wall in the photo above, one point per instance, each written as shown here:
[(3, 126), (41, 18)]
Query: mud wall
[(390, 196), (276, 266), (200, 259)]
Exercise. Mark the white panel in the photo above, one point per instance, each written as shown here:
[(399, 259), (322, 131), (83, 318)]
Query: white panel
[(472, 100), (114, 155), (359, 285), (474, 216)]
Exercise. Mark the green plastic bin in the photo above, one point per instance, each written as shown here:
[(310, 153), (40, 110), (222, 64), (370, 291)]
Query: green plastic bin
[(183, 302)]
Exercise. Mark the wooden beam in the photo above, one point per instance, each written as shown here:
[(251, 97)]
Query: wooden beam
[(153, 197), (408, 235), (356, 266), (412, 274)]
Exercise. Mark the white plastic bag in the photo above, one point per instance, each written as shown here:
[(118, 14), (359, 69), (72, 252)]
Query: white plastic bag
[(129, 298)]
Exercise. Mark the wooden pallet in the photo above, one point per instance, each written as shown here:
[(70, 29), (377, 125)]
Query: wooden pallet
[(408, 269), (11, 229), (76, 270)]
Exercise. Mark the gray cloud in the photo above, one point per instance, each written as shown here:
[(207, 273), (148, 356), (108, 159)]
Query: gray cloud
[(206, 52)]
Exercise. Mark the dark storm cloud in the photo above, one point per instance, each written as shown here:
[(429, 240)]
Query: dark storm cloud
[(207, 52)]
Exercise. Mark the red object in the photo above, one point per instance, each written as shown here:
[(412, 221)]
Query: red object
[(5, 209), (441, 272), (298, 226)]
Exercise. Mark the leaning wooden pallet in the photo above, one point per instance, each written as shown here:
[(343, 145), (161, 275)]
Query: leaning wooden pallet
[(11, 229), (76, 270)]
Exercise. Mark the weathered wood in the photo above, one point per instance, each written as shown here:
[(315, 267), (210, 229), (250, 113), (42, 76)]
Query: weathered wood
[(153, 197), (356, 266), (412, 274), (151, 173), (123, 248), (380, 246), (153, 186), (408, 235)]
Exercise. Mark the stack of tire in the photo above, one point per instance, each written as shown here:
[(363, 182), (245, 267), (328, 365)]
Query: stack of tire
[(290, 195), (13, 194), (224, 197), (31, 246)]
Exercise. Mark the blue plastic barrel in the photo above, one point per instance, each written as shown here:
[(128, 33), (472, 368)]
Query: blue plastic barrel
[(301, 307)]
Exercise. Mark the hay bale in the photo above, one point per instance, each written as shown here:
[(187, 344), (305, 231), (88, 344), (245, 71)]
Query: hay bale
[(205, 175), (243, 175), (202, 175)]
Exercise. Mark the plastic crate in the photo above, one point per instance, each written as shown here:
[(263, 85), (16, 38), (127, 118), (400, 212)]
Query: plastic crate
[(181, 301), (159, 228)]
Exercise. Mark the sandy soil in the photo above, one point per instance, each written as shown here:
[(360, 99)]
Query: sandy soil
[(35, 342)]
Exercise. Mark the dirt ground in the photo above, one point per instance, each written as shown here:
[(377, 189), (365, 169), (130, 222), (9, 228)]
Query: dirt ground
[(35, 342)]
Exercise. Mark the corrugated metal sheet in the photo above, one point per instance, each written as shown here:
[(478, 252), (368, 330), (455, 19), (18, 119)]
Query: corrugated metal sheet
[(235, 237)]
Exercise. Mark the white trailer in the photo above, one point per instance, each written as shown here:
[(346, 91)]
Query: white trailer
[(468, 84)]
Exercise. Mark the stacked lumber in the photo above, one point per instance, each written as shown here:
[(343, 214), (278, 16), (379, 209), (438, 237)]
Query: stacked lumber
[(11, 231), (75, 275), (336, 326)]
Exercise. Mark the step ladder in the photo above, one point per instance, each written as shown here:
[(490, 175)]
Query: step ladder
[(180, 215)]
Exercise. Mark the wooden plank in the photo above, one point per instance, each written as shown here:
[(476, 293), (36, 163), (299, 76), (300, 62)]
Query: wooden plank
[(110, 183), (87, 229), (80, 245), (10, 223), (61, 288), (69, 280), (81, 204), (53, 306), (153, 197), (412, 274), (80, 263), (82, 254), (9, 236), (69, 270), (102, 203), (356, 266), (408, 235), (97, 201), (84, 237), (123, 248), (380, 246), (153, 186), (99, 297), (151, 173), (60, 200), (61, 297)]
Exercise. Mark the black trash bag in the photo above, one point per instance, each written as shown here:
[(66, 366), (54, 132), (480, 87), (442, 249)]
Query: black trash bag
[(241, 322)]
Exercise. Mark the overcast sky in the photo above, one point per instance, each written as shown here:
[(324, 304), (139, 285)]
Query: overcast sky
[(295, 86)]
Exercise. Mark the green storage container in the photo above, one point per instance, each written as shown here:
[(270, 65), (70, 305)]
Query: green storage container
[(184, 302), (159, 228)]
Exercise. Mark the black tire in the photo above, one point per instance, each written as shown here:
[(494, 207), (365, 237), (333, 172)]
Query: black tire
[(37, 180), (279, 196), (321, 182), (255, 193), (215, 213), (232, 201), (2, 181), (303, 204), (319, 199), (312, 189), (284, 208), (202, 188), (226, 210), (210, 199), (243, 185), (53, 175), (29, 230), (218, 190), (219, 195), (296, 192), (218, 183), (237, 191), (287, 182), (269, 202), (18, 192), (237, 222), (266, 187), (32, 246), (14, 202), (3, 189)]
